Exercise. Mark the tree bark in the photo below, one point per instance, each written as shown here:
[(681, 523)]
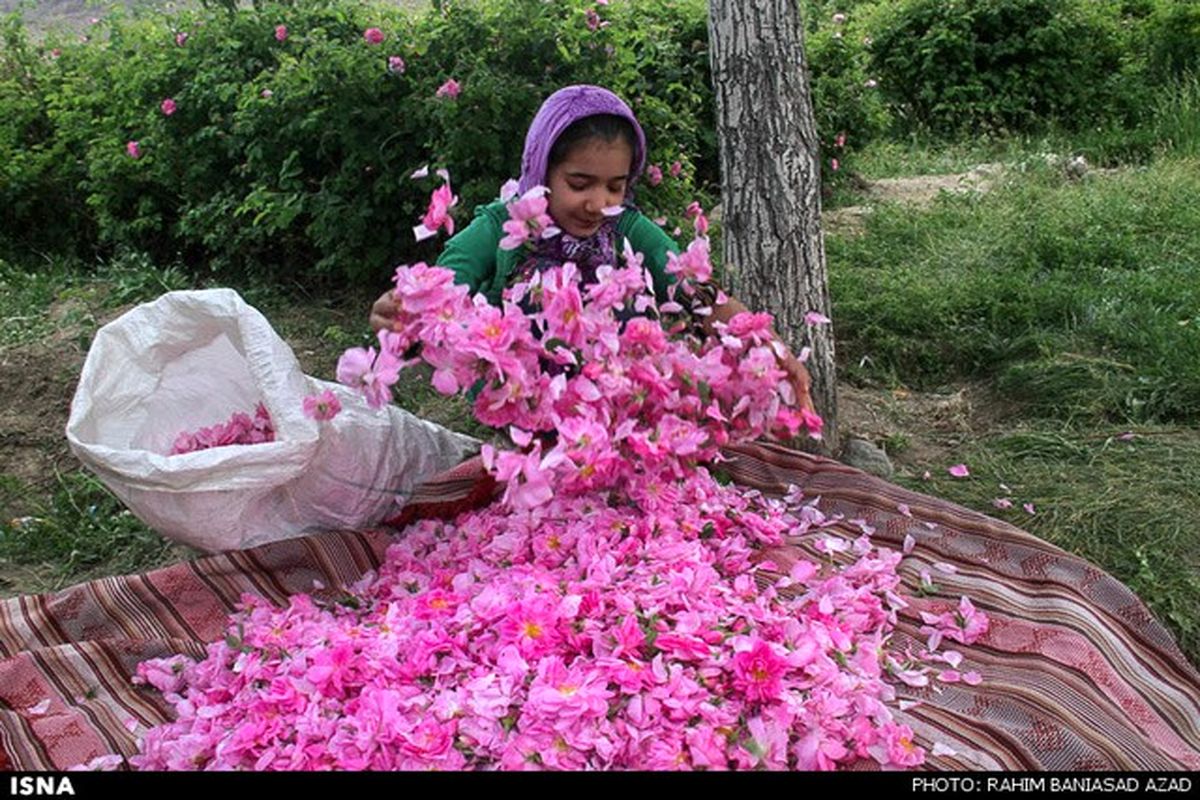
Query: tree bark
[(773, 249)]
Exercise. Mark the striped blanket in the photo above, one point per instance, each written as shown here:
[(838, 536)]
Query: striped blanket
[(1077, 674)]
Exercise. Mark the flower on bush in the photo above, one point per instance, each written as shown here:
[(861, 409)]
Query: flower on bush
[(181, 38), (594, 22), (396, 65), (373, 36), (281, 33), (168, 106), (133, 149), (449, 89), (676, 169), (654, 174)]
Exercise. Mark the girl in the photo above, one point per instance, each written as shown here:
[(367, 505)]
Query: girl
[(587, 147)]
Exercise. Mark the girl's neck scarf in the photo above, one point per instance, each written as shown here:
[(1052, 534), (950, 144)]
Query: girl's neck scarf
[(588, 254)]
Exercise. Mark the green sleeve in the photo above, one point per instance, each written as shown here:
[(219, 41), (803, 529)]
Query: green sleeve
[(472, 252), (651, 241)]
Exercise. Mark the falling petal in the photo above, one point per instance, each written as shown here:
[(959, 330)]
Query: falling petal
[(509, 190), (972, 678), (1028, 508), (943, 567), (40, 708), (444, 174), (1002, 502), (909, 543), (940, 749), (816, 318), (926, 475), (1128, 436), (1004, 486), (904, 509), (804, 354), (131, 724), (959, 471), (930, 525), (317, 585), (422, 233), (423, 172), (905, 705)]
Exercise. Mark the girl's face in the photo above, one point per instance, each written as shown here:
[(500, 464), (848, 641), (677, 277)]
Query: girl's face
[(590, 179)]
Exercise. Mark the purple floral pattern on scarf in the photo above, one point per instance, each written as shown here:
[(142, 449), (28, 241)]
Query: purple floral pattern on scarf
[(587, 254)]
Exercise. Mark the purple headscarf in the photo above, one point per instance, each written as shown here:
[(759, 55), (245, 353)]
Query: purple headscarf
[(561, 109)]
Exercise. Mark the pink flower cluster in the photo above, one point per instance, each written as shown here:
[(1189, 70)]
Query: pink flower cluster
[(615, 630), (437, 215), (627, 400), (241, 428), (620, 609), (528, 219)]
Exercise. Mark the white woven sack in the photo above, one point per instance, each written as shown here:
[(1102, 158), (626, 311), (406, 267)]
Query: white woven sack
[(192, 359)]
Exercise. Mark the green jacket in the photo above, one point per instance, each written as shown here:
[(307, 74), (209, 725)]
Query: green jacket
[(477, 260)]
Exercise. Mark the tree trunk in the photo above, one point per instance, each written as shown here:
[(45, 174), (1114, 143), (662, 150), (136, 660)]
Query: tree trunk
[(774, 252)]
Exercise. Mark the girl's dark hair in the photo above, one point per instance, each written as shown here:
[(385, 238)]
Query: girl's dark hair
[(607, 127)]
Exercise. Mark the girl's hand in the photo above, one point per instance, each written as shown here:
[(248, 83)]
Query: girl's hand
[(383, 312), (800, 379)]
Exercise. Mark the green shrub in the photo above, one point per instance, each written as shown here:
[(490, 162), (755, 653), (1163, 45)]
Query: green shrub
[(292, 158), (971, 65), (37, 174), (1174, 39), (847, 105)]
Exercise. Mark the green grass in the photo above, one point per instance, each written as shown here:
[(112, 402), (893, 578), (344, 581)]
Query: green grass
[(1128, 507), (1080, 297), (1170, 125), (79, 529), (28, 292)]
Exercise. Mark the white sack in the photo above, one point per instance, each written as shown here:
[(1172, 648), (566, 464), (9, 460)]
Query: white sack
[(190, 360)]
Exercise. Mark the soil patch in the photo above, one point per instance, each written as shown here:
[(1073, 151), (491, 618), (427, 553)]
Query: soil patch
[(919, 191)]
